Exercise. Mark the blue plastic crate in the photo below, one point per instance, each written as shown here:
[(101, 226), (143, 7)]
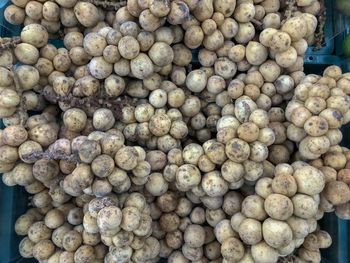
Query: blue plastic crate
[(316, 63), (3, 3)]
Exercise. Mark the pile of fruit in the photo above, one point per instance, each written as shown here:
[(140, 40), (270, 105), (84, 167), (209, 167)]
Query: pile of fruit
[(178, 129)]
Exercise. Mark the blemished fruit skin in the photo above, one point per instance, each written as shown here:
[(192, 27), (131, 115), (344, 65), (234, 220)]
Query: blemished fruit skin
[(343, 6), (346, 46)]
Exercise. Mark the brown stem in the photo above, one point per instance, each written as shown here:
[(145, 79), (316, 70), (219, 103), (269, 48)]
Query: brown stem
[(52, 156), (8, 43), (110, 5), (319, 34), (287, 259), (100, 101)]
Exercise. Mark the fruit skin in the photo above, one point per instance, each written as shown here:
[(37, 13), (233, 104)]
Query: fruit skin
[(346, 46), (343, 6)]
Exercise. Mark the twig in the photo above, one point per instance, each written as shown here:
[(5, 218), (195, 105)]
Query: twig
[(8, 43), (115, 105), (288, 259), (110, 5), (73, 158), (319, 34)]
